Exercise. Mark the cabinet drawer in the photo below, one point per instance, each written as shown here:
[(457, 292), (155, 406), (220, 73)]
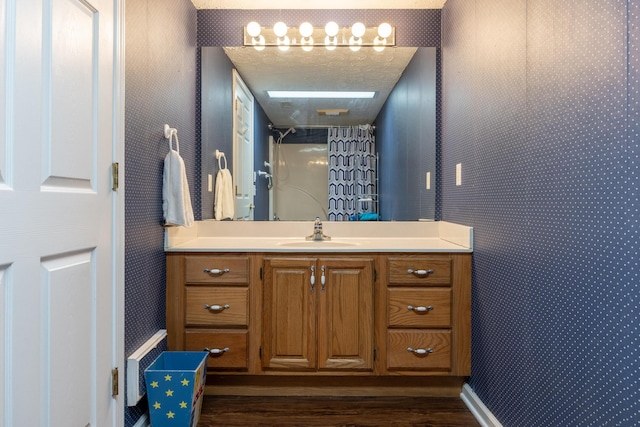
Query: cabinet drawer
[(419, 308), (195, 266), (226, 306), (235, 357), (419, 271), (437, 344)]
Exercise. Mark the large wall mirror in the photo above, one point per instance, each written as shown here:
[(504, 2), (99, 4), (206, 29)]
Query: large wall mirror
[(306, 151)]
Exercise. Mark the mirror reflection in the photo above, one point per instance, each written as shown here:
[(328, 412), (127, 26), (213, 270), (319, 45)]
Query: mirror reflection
[(338, 159)]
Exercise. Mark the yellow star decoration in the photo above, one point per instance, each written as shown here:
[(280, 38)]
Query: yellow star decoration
[(167, 377), (154, 384), (183, 404), (169, 393), (156, 405), (185, 382), (170, 414)]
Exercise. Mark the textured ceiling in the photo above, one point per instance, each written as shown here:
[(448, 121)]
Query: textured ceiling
[(341, 69), (318, 4)]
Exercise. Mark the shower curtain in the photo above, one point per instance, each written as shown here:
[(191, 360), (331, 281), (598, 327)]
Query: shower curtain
[(352, 173)]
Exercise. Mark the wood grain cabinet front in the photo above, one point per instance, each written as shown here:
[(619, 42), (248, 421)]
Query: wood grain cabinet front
[(428, 314), (306, 315), (208, 307), (318, 314)]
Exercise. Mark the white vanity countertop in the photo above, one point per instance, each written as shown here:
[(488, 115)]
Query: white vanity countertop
[(289, 237)]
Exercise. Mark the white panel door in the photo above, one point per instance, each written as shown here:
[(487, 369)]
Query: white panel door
[(243, 149), (58, 287)]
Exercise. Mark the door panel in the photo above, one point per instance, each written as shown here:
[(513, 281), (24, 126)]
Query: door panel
[(289, 336), (71, 68), (345, 315), (68, 286), (243, 169)]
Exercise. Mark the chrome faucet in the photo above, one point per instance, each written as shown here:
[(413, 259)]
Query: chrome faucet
[(318, 234)]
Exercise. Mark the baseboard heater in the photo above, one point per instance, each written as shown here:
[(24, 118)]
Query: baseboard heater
[(138, 362)]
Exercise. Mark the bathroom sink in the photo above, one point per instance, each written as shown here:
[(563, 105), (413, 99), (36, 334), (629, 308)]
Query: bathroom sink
[(316, 244)]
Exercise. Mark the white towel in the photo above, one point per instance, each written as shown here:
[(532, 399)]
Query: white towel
[(176, 200), (224, 203)]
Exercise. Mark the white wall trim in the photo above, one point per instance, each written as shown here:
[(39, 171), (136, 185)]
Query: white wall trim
[(477, 408), (133, 366), (118, 238), (143, 421)]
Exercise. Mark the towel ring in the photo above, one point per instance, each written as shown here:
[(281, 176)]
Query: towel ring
[(220, 156), (169, 133)]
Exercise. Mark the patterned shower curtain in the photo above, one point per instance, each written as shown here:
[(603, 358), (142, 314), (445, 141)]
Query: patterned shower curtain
[(352, 173)]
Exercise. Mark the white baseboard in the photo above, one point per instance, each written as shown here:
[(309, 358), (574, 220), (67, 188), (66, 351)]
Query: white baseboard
[(477, 408), (133, 366), (143, 421)]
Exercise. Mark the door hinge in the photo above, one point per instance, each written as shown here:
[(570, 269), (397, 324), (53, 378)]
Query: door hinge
[(114, 382), (260, 351), (114, 176), (375, 275), (375, 353), (260, 273)]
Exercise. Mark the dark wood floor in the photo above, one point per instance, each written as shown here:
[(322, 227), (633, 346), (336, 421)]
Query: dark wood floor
[(334, 411)]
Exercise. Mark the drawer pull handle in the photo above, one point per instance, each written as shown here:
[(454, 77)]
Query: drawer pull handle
[(216, 270), (217, 351), (420, 351), (217, 307), (419, 272), (420, 309), (313, 277)]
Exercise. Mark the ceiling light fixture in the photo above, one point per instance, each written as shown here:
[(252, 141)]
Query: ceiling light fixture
[(354, 37), (319, 94)]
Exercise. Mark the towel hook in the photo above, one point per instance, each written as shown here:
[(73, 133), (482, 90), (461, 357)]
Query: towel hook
[(220, 156)]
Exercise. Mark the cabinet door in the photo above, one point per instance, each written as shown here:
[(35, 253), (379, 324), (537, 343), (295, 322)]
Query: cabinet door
[(345, 315), (289, 321)]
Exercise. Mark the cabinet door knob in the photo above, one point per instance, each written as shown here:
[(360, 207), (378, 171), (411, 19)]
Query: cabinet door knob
[(420, 351), (420, 309), (216, 307), (216, 351), (313, 277), (216, 270), (419, 272)]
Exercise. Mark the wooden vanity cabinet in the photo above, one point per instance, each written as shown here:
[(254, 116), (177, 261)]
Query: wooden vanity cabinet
[(428, 323), (318, 314), (208, 307), (389, 319)]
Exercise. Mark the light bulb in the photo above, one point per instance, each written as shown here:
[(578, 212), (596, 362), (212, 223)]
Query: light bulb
[(283, 43), (384, 30), (253, 29), (358, 30), (306, 29), (280, 29), (355, 43), (331, 29)]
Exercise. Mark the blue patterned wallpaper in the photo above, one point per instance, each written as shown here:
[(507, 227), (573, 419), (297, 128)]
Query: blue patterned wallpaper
[(540, 107), (406, 135), (160, 88)]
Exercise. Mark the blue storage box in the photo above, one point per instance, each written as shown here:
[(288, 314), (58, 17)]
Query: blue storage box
[(175, 388)]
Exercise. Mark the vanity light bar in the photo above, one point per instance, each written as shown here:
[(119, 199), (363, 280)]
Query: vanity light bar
[(331, 36), (318, 94)]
